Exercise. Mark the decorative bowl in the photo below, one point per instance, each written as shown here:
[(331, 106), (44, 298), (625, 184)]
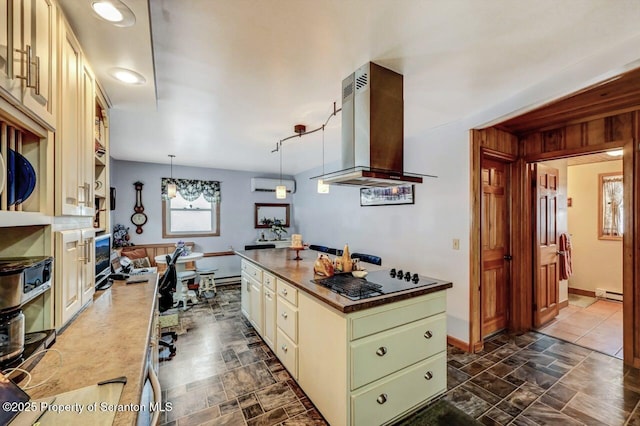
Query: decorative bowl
[(359, 274)]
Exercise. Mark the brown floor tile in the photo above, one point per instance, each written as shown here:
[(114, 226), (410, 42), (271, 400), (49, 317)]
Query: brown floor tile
[(199, 417)]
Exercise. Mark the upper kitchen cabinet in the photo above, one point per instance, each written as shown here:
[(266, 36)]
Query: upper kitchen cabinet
[(101, 164), (27, 57), (74, 136)]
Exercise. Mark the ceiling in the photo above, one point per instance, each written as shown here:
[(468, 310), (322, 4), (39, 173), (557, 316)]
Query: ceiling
[(226, 80)]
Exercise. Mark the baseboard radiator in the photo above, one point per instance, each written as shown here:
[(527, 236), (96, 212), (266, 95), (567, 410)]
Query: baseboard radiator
[(605, 294)]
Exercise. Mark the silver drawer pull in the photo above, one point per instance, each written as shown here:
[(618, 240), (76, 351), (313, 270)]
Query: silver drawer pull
[(284, 315), (428, 334), (382, 398), (382, 351), (284, 348), (284, 292), (428, 375)]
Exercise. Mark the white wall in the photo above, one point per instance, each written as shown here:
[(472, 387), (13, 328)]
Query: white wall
[(236, 208), (562, 220), (596, 263)]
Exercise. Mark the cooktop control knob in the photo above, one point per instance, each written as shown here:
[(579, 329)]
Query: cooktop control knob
[(392, 272), (399, 274), (407, 276), (415, 278)]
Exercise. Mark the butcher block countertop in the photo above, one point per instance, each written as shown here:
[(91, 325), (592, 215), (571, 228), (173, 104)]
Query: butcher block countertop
[(279, 262), (108, 339)]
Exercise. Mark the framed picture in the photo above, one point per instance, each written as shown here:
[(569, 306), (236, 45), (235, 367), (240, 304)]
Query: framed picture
[(391, 196)]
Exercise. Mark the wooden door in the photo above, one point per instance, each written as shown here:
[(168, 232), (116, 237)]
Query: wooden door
[(495, 236), (546, 290)]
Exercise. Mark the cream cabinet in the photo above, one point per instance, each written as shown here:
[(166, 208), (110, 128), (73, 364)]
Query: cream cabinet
[(255, 314), (75, 152), (393, 358), (287, 326), (28, 56), (269, 309), (245, 295), (74, 272)]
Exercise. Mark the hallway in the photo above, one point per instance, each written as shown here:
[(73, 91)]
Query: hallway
[(597, 327)]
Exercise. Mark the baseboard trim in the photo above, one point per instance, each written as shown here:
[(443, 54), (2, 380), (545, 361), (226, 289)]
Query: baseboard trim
[(458, 343), (582, 292), (564, 304)]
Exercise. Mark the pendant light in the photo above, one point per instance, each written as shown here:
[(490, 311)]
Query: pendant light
[(281, 190), (172, 189), (323, 188)]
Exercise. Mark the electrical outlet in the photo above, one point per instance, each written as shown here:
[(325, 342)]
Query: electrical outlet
[(456, 244)]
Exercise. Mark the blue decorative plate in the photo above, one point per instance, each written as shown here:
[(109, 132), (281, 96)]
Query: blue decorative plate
[(21, 178)]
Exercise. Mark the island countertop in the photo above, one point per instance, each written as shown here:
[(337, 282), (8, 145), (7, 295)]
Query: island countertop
[(108, 339), (279, 262)]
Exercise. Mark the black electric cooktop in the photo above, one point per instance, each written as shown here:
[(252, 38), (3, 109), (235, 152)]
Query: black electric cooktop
[(376, 283)]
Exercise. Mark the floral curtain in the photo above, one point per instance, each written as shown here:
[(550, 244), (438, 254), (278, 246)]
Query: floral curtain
[(612, 199), (191, 189)]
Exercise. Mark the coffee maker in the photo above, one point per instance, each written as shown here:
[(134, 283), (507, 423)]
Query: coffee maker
[(21, 280)]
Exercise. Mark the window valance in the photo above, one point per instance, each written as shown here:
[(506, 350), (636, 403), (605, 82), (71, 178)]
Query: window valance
[(191, 189)]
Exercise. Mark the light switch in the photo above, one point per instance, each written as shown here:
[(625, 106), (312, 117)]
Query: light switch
[(456, 244)]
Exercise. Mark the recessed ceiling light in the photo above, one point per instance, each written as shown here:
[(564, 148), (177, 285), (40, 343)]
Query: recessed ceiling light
[(127, 76), (616, 153), (115, 12)]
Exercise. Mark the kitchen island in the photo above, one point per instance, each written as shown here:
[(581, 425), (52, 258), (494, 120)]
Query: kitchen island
[(109, 339), (361, 362)]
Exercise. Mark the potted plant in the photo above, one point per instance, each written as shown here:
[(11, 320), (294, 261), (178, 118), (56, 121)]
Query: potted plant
[(277, 228)]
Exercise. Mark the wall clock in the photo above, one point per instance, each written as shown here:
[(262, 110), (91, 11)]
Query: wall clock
[(138, 218)]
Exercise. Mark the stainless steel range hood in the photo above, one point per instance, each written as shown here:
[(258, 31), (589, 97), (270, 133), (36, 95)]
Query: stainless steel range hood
[(372, 130)]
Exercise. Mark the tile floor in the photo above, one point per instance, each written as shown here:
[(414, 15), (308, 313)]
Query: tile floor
[(223, 374), (597, 327)]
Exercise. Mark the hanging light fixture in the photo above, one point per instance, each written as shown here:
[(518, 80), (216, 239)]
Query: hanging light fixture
[(172, 189), (281, 190), (323, 188)]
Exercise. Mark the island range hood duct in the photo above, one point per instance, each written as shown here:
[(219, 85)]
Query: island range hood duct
[(372, 130)]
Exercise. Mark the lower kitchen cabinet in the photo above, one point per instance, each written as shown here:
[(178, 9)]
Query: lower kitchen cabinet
[(74, 271), (368, 367)]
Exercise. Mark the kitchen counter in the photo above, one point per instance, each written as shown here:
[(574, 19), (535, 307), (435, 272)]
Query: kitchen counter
[(280, 262), (108, 339)]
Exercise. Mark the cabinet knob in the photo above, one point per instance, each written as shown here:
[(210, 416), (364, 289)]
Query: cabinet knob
[(428, 375), (428, 334), (284, 348), (382, 398), (284, 315), (381, 351), (284, 292)]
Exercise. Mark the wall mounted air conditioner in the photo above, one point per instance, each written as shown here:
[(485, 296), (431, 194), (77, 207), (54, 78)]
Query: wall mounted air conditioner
[(269, 185)]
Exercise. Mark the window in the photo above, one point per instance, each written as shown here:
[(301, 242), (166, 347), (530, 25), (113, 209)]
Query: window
[(194, 212), (610, 206)]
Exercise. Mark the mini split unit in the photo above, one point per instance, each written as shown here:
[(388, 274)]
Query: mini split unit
[(269, 185)]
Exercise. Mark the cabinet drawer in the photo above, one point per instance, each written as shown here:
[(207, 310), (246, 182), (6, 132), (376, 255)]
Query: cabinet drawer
[(287, 319), (385, 319), (382, 354), (252, 270), (269, 281), (400, 392), (288, 292), (287, 353)]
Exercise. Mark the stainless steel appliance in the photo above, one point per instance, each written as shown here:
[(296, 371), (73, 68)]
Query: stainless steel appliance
[(21, 280), (372, 130), (376, 283)]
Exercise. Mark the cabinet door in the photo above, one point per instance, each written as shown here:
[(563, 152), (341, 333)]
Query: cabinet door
[(68, 270), (256, 306), (87, 278), (245, 296), (68, 164), (10, 39), (86, 148), (269, 325), (39, 29)]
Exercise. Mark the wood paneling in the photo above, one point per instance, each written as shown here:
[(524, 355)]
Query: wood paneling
[(631, 249), (619, 94)]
